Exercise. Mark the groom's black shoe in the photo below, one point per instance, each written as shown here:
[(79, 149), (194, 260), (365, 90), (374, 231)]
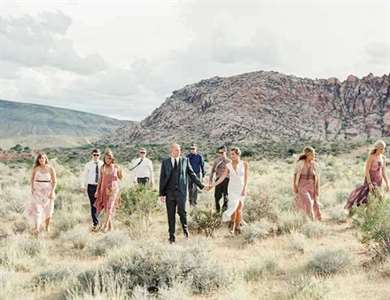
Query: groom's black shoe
[(171, 239), (186, 234)]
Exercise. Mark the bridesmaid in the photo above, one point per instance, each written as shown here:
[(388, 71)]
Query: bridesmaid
[(43, 184), (107, 192), (375, 171), (238, 171), (306, 184)]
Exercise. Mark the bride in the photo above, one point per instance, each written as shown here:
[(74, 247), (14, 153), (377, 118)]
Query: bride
[(237, 170)]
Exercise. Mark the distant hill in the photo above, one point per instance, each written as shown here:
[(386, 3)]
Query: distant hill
[(44, 126), (267, 106)]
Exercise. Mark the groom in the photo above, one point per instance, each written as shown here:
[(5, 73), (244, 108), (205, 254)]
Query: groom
[(175, 171)]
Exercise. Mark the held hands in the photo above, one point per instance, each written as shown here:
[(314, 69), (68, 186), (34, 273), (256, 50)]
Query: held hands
[(162, 199), (208, 187)]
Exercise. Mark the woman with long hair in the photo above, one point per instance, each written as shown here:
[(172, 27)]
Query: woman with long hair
[(43, 183), (238, 171), (306, 184), (375, 173), (107, 192)]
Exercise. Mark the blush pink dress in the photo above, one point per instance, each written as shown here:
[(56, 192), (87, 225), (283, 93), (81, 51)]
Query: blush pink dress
[(306, 200), (41, 206), (108, 193), (360, 194)]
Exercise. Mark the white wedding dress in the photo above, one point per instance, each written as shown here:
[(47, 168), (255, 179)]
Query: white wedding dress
[(236, 184)]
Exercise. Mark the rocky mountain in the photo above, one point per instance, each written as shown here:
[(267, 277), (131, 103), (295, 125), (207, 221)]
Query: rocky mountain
[(42, 126), (268, 106)]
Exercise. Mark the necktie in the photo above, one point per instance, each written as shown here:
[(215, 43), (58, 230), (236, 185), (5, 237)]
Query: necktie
[(175, 165), (97, 172)]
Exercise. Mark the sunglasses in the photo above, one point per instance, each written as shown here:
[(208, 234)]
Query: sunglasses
[(193, 148), (96, 154), (221, 152), (142, 152)]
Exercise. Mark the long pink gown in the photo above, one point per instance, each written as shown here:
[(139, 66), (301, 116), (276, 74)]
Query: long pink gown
[(41, 206), (108, 194), (305, 199), (360, 194)]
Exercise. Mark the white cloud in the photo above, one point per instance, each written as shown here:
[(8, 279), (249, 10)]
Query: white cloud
[(40, 41), (123, 58)]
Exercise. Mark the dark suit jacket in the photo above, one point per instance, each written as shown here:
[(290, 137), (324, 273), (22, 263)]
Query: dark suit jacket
[(185, 171)]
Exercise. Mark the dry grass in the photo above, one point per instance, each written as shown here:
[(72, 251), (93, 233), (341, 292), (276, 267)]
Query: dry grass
[(280, 255)]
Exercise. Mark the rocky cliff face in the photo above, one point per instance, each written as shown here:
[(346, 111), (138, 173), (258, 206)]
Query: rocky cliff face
[(268, 106)]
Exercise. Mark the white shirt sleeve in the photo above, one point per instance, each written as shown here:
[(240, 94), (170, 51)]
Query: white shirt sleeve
[(84, 176), (151, 171)]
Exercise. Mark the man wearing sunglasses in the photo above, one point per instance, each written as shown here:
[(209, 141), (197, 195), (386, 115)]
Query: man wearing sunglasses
[(218, 169), (89, 181), (197, 164), (143, 169)]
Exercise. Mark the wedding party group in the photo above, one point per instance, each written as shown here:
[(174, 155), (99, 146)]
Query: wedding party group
[(182, 176)]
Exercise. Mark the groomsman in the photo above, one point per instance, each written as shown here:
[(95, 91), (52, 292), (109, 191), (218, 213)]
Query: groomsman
[(218, 169), (175, 171), (197, 164), (143, 168), (89, 181)]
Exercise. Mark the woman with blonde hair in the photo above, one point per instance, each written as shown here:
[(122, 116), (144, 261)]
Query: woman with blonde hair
[(238, 172), (107, 191), (306, 184), (375, 173), (43, 183)]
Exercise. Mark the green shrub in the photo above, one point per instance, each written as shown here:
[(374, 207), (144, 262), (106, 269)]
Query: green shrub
[(77, 237), (384, 268), (258, 206), (297, 242), (290, 221), (205, 220), (266, 268), (140, 200), (373, 220), (257, 231), (337, 214), (314, 229), (111, 240), (328, 262), (52, 276), (307, 288), (153, 267)]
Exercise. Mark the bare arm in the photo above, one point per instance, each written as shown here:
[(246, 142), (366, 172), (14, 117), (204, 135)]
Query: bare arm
[(294, 187), (212, 172), (384, 174), (53, 180), (367, 171), (246, 176), (120, 173), (99, 181), (222, 178), (32, 179), (151, 173)]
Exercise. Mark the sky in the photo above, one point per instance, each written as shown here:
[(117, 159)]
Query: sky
[(123, 58)]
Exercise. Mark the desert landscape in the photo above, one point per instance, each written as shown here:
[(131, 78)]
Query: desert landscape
[(279, 255)]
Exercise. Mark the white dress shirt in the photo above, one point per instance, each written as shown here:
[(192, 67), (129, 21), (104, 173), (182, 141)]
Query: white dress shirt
[(144, 169), (89, 173), (173, 161)]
